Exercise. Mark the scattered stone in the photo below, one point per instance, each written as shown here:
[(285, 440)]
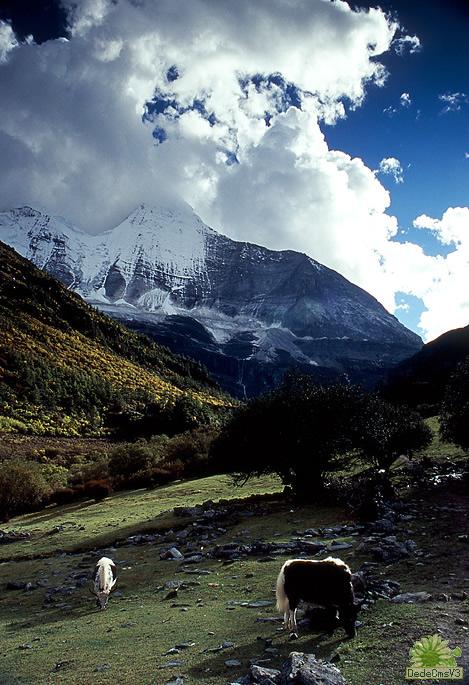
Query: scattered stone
[(387, 549), (188, 511), (411, 597), (172, 594), (194, 559), (258, 604), (177, 681), (15, 585), (103, 667), (173, 584), (305, 669), (269, 619), (7, 536), (334, 546), (259, 675), (172, 664), (185, 645), (383, 525), (172, 553), (25, 645), (60, 666), (232, 663)]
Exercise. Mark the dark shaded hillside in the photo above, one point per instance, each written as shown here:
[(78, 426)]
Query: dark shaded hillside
[(60, 355), (421, 379)]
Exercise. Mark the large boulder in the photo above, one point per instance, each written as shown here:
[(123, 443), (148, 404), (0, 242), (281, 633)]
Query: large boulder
[(305, 669)]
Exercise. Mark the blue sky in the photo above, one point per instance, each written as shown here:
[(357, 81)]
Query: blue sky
[(271, 118), (428, 136)]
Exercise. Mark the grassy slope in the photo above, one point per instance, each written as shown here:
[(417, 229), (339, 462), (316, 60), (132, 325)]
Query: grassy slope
[(140, 626), (87, 524), (45, 322)]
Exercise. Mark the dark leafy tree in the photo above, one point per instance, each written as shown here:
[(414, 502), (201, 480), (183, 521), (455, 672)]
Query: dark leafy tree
[(454, 426), (294, 432), (386, 431), (299, 431)]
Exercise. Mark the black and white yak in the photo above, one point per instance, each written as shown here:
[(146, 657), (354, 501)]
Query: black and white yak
[(326, 583), (104, 580)]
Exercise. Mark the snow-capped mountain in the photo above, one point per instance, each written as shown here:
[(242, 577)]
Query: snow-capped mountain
[(247, 312)]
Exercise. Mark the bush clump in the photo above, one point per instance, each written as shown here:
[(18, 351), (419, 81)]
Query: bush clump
[(23, 487)]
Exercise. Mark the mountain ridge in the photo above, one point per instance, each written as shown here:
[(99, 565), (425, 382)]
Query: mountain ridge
[(163, 268)]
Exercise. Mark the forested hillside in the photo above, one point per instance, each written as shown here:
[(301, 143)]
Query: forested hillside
[(66, 369)]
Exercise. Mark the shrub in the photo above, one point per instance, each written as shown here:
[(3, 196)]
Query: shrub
[(63, 496), (22, 487), (192, 450), (97, 489), (97, 469), (55, 476), (127, 460), (364, 493)]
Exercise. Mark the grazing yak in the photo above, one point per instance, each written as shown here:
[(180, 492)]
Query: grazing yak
[(104, 580), (327, 583)]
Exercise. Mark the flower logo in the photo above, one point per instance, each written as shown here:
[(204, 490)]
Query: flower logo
[(432, 651)]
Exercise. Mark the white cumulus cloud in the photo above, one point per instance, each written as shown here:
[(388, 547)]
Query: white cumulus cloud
[(392, 167), (453, 102), (407, 44), (7, 40), (441, 282), (234, 96), (405, 100)]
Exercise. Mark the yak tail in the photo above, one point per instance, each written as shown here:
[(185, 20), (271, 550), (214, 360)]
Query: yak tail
[(283, 604)]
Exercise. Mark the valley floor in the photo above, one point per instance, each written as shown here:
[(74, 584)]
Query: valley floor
[(223, 615)]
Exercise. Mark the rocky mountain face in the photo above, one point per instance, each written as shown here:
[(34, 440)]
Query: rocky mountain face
[(248, 313)]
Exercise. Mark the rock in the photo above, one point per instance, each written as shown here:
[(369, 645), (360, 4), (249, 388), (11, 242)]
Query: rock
[(387, 549), (188, 511), (411, 597), (7, 536), (383, 526), (258, 604), (172, 664), (177, 681), (172, 594), (305, 669), (173, 584), (269, 619), (185, 645), (60, 666), (102, 667), (172, 553), (15, 585), (232, 663), (334, 546), (259, 675), (194, 559)]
